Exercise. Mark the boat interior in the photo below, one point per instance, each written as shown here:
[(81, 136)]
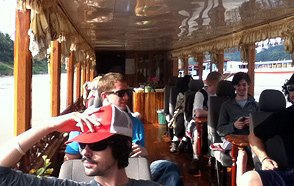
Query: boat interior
[(141, 39)]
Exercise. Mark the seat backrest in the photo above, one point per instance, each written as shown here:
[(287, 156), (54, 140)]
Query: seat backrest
[(269, 101), (194, 86), (171, 83), (224, 90), (174, 91), (138, 168)]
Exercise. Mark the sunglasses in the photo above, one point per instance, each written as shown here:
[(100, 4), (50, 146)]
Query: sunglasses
[(290, 88), (98, 146), (121, 93)]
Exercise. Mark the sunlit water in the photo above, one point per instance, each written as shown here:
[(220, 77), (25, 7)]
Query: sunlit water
[(40, 101), (41, 97)]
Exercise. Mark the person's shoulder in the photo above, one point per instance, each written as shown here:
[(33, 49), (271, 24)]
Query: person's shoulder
[(286, 112), (135, 120), (133, 182)]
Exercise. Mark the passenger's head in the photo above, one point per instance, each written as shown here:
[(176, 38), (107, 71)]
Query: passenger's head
[(94, 83), (239, 77), (109, 146), (185, 83), (288, 89), (241, 82), (113, 88), (213, 78)]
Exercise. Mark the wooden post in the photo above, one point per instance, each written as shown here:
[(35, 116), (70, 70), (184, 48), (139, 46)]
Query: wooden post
[(92, 74), (200, 59), (70, 74), (175, 66), (251, 66), (87, 71), (186, 65), (220, 62), (78, 80), (55, 77), (83, 78), (234, 153), (22, 73)]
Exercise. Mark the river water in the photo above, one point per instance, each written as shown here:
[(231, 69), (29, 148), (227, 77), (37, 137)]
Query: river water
[(41, 97), (40, 101)]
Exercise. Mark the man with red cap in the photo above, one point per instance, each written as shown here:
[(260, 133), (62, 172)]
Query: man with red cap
[(105, 144)]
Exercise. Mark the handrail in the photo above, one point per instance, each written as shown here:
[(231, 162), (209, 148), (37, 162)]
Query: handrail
[(48, 145)]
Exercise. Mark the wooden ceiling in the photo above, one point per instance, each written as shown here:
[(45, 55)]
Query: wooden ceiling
[(167, 24)]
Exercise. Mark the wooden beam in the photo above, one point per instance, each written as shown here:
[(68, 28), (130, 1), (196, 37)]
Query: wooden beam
[(83, 77), (55, 77), (22, 73), (220, 62), (78, 80), (251, 66), (70, 76)]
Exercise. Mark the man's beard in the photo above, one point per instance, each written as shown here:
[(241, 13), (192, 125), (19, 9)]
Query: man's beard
[(89, 172), (98, 170)]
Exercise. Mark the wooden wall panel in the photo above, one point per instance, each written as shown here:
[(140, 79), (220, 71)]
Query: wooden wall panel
[(148, 104)]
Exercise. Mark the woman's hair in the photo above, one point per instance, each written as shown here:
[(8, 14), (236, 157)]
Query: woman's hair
[(185, 83), (121, 147), (284, 87), (106, 83), (239, 76)]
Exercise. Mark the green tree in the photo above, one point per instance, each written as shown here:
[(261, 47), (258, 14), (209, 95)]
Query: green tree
[(6, 48)]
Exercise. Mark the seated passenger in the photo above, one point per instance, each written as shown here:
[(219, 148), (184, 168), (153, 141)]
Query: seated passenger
[(105, 145), (281, 124), (200, 107), (90, 91), (113, 88), (234, 113), (177, 122)]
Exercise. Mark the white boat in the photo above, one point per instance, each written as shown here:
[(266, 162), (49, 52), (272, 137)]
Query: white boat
[(262, 67)]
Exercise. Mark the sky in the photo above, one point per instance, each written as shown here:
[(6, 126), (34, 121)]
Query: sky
[(7, 13)]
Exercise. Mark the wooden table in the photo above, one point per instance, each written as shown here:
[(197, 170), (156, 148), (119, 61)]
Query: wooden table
[(147, 104), (199, 123), (238, 142)]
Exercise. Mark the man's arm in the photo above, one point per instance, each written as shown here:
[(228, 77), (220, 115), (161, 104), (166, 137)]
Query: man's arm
[(258, 148), (201, 113), (198, 105), (26, 140), (224, 127)]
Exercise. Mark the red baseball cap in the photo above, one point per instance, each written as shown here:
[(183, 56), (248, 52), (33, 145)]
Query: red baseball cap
[(112, 121)]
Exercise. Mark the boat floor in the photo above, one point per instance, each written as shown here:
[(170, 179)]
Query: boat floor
[(158, 145)]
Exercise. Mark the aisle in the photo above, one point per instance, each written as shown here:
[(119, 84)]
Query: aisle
[(158, 145)]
